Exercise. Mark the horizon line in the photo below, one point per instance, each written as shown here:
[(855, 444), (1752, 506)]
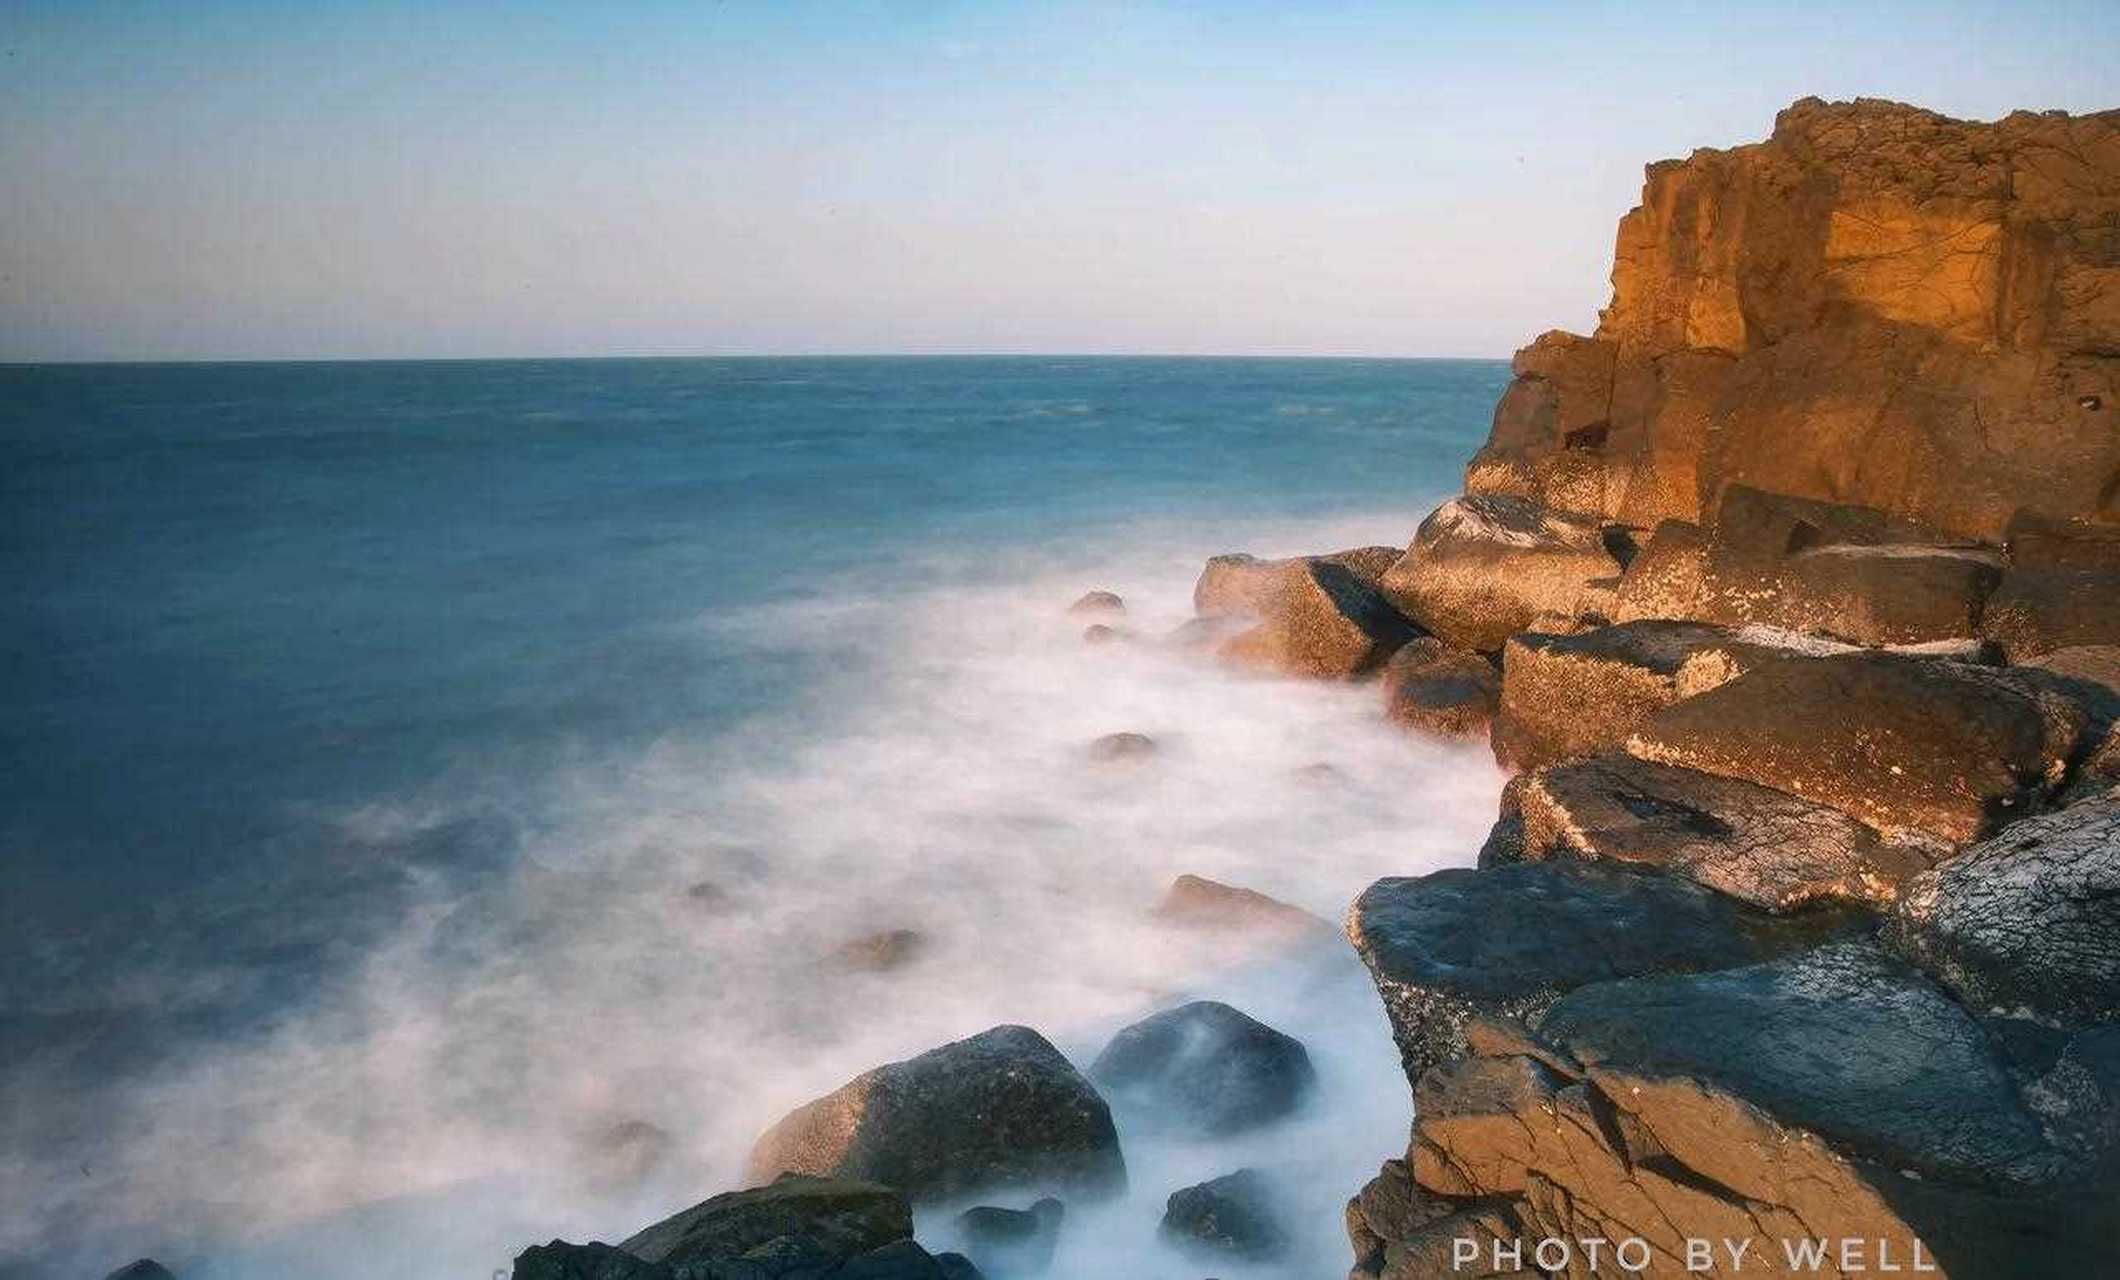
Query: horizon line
[(121, 362)]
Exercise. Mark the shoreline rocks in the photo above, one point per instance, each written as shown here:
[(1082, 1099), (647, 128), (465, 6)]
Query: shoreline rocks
[(1206, 1069)]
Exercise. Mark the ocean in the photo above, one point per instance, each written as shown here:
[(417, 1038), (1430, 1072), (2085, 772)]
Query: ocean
[(417, 774)]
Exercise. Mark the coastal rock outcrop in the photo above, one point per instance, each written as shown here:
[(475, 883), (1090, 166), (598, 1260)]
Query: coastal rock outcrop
[(1756, 844), (1001, 1110), (1511, 940), (2026, 924), (1482, 568), (1238, 584), (1206, 1069), (1907, 745), (1878, 305)]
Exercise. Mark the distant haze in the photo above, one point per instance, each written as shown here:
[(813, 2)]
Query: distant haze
[(278, 180)]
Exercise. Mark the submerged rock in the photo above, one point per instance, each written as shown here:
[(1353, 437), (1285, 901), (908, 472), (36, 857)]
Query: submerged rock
[(1206, 1069), (1001, 1110), (1483, 567), (1564, 697), (1008, 1243), (624, 1153), (1098, 602), (1435, 689), (1762, 846), (1122, 746), (1511, 940), (836, 1217), (1904, 744), (880, 952), (1235, 1215), (1323, 621), (144, 1269), (1197, 903), (2026, 924)]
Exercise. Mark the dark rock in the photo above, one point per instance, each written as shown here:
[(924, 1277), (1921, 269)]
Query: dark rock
[(1565, 697), (1765, 847), (2036, 611), (838, 1217), (1122, 746), (1233, 1215), (560, 1260), (1098, 633), (144, 1269), (2078, 1100), (1323, 621), (1435, 689), (625, 1152), (1013, 1242), (1001, 1110), (1206, 1069), (880, 952), (1906, 745), (1844, 1041), (2027, 923), (1098, 602), (1511, 940), (1482, 568), (1239, 584), (904, 1260)]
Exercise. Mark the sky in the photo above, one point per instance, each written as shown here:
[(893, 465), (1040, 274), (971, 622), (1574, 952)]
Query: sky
[(247, 180)]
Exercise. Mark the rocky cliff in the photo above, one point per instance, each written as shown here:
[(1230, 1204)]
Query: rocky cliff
[(1877, 305)]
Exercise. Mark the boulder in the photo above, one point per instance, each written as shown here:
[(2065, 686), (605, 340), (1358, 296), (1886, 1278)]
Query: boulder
[(1234, 1215), (1098, 602), (560, 1260), (1665, 579), (623, 1153), (1239, 584), (1321, 620), (1001, 1110), (837, 1217), (2038, 610), (144, 1269), (2040, 541), (1909, 746), (1564, 697), (1115, 747), (1511, 940), (1205, 1069), (1756, 844), (1099, 634), (1483, 567), (2090, 676), (880, 952), (1435, 689), (1012, 1242), (2078, 1100), (2028, 922)]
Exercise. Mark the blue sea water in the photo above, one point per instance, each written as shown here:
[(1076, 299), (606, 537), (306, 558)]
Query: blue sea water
[(298, 650)]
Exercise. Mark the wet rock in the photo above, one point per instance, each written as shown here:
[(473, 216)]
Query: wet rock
[(1483, 567), (1205, 1069), (2028, 923), (1511, 940), (1240, 584), (1564, 697), (904, 1260), (1098, 633), (1322, 621), (1435, 689), (1761, 846), (1206, 632), (1001, 1110), (835, 1217), (1122, 746), (560, 1260), (880, 952), (2078, 1101), (1234, 1215), (1906, 745), (1098, 602), (1007, 1243), (144, 1269), (624, 1152), (2036, 611)]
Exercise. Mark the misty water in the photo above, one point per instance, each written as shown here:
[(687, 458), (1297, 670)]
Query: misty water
[(415, 773)]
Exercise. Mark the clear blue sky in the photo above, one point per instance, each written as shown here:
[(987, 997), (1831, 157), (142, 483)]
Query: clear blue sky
[(316, 179)]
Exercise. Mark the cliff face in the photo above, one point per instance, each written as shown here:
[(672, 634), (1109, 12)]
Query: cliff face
[(1878, 305)]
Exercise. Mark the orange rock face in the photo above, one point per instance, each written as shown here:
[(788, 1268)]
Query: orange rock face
[(1878, 305)]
